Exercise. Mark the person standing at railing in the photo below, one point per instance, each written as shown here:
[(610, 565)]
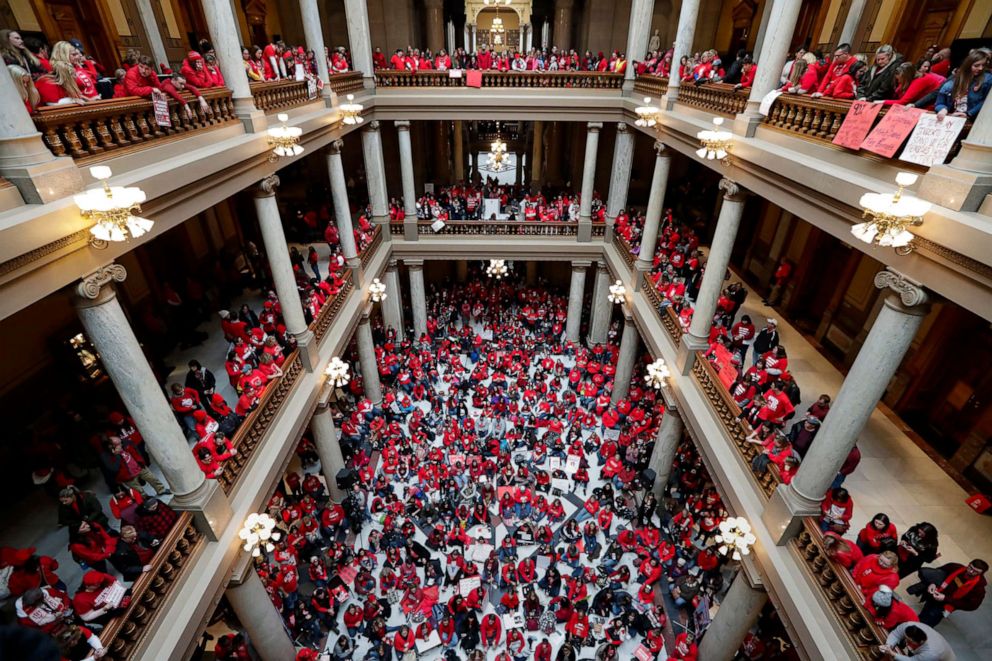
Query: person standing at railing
[(839, 66), (912, 87), (339, 61), (252, 68), (964, 94), (140, 80), (877, 83), (379, 59)]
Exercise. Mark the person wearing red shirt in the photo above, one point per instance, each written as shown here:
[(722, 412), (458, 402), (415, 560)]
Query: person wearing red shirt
[(379, 59), (876, 570), (578, 626), (888, 610), (685, 648), (272, 62), (484, 60), (398, 60), (876, 533), (952, 587), (45, 609), (836, 511), (845, 85), (88, 602), (405, 640), (140, 80), (839, 66), (490, 630), (842, 551), (194, 70)]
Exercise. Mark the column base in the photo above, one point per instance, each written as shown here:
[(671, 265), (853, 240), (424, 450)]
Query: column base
[(686, 356), (368, 82), (640, 273), (669, 98), (784, 513), (747, 123), (409, 231), (306, 342), (383, 223), (628, 87), (585, 230), (209, 506), (355, 264), (252, 118), (957, 188), (44, 181)]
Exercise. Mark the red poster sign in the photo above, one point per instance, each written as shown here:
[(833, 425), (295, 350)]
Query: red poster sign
[(856, 124), (727, 375), (892, 131), (473, 78)]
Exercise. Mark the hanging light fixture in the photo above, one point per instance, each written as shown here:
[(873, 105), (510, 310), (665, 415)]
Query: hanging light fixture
[(715, 142), (113, 208), (735, 537), (377, 291), (285, 140), (337, 372), (257, 533), (351, 112), (647, 115), (889, 214), (497, 269), (498, 159), (618, 293), (657, 376)]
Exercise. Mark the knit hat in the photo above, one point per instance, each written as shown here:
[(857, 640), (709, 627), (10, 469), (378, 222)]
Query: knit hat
[(883, 597)]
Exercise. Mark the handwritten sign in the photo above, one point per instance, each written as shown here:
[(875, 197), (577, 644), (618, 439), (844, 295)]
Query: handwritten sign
[(727, 375), (767, 101), (856, 124), (555, 463), (161, 107), (473, 78), (467, 585), (572, 463), (890, 133), (932, 140), (513, 620)]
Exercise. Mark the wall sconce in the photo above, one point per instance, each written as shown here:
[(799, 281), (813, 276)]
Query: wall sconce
[(337, 372), (889, 214), (351, 112), (647, 115), (618, 293), (735, 537), (715, 142), (658, 373), (257, 533), (377, 291), (114, 209), (285, 140)]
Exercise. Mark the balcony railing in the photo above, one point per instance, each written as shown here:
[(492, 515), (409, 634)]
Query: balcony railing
[(370, 249), (347, 83), (104, 129), (715, 97), (501, 228), (653, 86), (282, 94), (122, 634), (513, 79), (331, 308), (625, 249)]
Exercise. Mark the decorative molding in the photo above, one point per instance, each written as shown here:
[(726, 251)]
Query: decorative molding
[(11, 265), (954, 257), (267, 187), (622, 127), (732, 190), (372, 125), (594, 127), (335, 147), (910, 292), (661, 150), (90, 286), (402, 124)]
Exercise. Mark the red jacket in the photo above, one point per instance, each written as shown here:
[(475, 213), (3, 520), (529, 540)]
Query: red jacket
[(834, 71), (899, 613), (869, 575), (842, 87), (491, 629)]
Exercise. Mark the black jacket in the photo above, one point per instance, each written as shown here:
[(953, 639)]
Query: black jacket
[(765, 341), (877, 84)]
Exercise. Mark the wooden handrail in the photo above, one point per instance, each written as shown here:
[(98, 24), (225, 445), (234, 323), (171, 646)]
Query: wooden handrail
[(104, 129), (347, 83), (329, 312), (369, 250), (624, 248), (281, 94), (652, 86), (519, 79), (715, 97), (123, 633), (502, 228)]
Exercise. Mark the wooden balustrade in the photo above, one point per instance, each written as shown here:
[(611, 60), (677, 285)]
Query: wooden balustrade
[(369, 250), (122, 634), (818, 119), (331, 308), (347, 83), (513, 79), (844, 596), (652, 86), (501, 228), (396, 228), (105, 129), (715, 97), (598, 229), (624, 249), (282, 94)]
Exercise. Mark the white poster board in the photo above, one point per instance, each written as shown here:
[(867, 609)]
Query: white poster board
[(572, 463), (160, 104), (561, 484), (454, 73), (467, 585), (767, 101), (490, 208), (513, 620), (433, 640), (932, 140)]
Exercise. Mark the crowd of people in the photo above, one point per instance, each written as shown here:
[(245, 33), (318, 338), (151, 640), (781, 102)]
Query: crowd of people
[(486, 59), (467, 201), (501, 503)]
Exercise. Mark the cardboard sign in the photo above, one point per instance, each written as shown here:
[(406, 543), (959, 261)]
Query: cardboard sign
[(480, 552), (299, 72), (932, 140), (433, 640), (722, 357), (561, 485), (454, 73), (767, 101), (348, 574), (856, 124), (513, 621), (473, 78), (467, 585), (612, 434), (572, 463), (161, 107), (642, 653), (555, 463), (311, 89), (455, 459), (727, 376), (890, 133)]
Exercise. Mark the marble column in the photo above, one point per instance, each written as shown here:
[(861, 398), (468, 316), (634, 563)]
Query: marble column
[(684, 33), (629, 342), (666, 442), (717, 262), (224, 35), (602, 309), (854, 13), (652, 218), (409, 188), (738, 612), (522, 35), (434, 10), (357, 17), (25, 159), (342, 209), (576, 292), (392, 307), (260, 619), (529, 41), (366, 359), (965, 184), (588, 181), (418, 296), (108, 329), (474, 44), (375, 175), (459, 149), (325, 438), (148, 21), (766, 10), (274, 239), (623, 159), (562, 37), (638, 33), (898, 321), (314, 35), (774, 52), (537, 156)]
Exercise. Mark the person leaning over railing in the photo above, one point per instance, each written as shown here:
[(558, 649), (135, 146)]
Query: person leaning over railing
[(912, 87), (963, 94), (141, 81)]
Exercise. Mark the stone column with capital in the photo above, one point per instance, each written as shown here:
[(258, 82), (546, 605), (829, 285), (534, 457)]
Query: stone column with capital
[(342, 209), (435, 24), (366, 359), (108, 329), (629, 342), (25, 160), (263, 623), (652, 218), (623, 160), (224, 35), (774, 52), (666, 443), (684, 33), (274, 239), (716, 268), (562, 36), (392, 307), (641, 12), (409, 187), (314, 35), (325, 438), (418, 296), (356, 14), (739, 610), (898, 321), (965, 184), (148, 21), (588, 181), (576, 293), (602, 309), (375, 175)]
